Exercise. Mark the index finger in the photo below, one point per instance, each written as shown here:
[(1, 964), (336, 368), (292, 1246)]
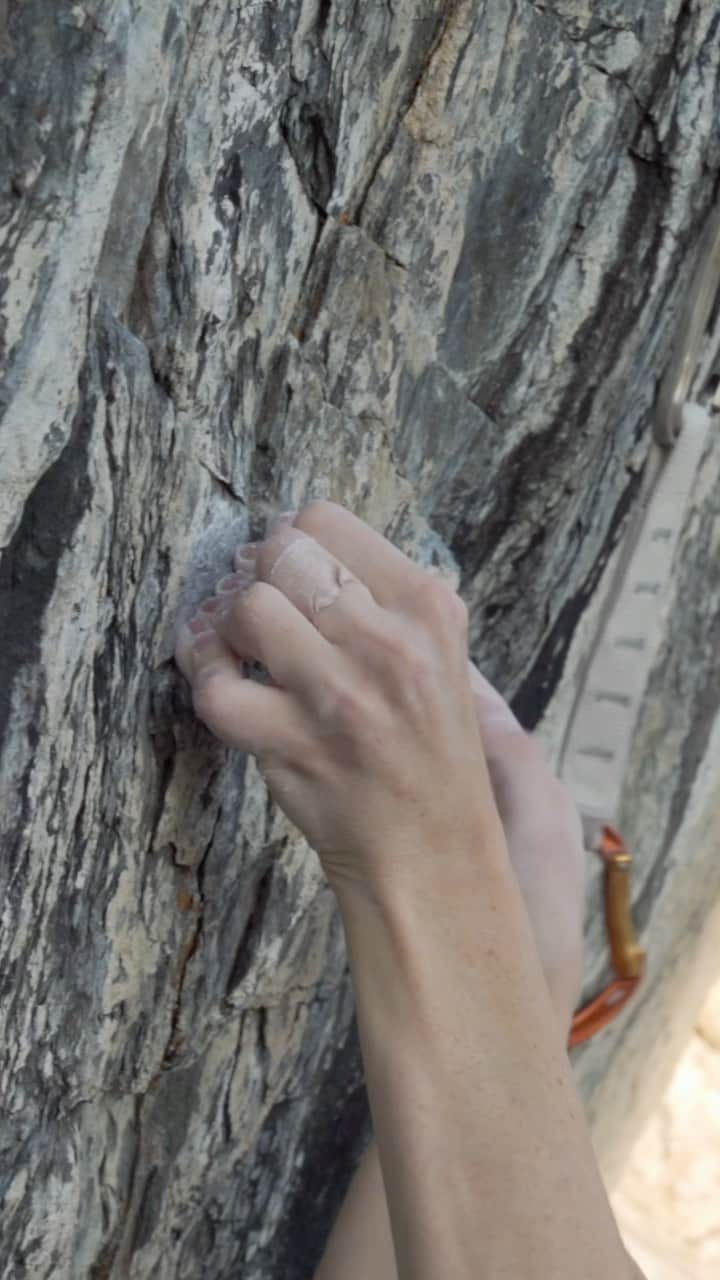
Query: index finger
[(391, 576)]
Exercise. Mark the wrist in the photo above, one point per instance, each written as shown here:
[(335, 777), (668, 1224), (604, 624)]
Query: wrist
[(460, 928), (427, 878)]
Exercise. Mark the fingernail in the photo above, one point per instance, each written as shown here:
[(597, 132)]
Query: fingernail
[(214, 605), (198, 624), (234, 583), (247, 551)]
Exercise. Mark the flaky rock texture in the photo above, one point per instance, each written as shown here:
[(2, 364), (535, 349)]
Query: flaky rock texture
[(422, 258)]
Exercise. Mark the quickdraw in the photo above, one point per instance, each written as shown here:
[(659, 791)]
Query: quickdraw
[(688, 394), (628, 957)]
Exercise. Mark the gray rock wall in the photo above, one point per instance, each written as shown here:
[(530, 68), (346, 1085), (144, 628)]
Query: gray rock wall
[(423, 259)]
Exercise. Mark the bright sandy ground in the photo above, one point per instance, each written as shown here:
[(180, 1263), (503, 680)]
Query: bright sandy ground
[(668, 1202)]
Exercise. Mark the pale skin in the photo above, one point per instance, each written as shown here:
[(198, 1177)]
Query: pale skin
[(543, 835), (371, 740)]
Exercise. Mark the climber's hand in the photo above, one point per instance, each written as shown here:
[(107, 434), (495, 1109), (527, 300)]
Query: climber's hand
[(368, 737)]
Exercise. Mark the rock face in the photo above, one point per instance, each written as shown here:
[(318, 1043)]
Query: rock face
[(421, 259)]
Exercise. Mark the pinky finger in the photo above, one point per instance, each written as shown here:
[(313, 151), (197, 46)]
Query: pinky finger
[(251, 717)]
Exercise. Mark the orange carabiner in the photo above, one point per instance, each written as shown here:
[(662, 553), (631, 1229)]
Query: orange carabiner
[(628, 958)]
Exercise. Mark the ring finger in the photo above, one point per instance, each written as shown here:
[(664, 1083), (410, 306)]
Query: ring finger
[(391, 576), (260, 623), (324, 591)]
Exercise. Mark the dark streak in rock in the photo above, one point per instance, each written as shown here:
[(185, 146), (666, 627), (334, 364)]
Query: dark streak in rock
[(430, 41), (336, 1133), (29, 565), (539, 684), (248, 947), (305, 131)]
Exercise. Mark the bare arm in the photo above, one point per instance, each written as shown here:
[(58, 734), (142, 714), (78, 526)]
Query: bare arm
[(544, 840), (485, 1153), (368, 740)]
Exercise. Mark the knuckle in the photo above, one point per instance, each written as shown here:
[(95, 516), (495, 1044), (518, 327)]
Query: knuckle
[(372, 625), (411, 662), (347, 700), (401, 648), (443, 606)]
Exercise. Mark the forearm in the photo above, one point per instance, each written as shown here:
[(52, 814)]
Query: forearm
[(486, 1157), (360, 1244)]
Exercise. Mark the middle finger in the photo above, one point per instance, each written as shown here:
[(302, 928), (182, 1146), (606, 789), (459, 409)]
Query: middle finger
[(313, 579), (391, 576)]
